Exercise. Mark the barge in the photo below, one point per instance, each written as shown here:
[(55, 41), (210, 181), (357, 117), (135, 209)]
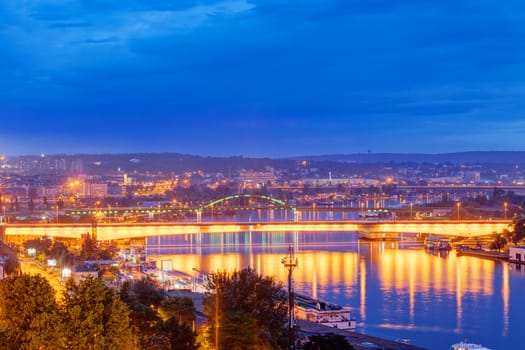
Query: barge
[(323, 313)]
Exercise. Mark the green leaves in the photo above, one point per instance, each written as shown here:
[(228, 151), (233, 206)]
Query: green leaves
[(29, 315), (91, 316), (249, 297)]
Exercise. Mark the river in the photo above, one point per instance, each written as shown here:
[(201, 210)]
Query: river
[(395, 289)]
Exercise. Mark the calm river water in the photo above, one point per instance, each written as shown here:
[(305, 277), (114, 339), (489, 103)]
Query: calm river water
[(396, 290)]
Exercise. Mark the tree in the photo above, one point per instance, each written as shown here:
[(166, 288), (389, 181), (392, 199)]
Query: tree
[(61, 253), (141, 296), (11, 267), (181, 336), (261, 298), (29, 315), (498, 242), (95, 317), (89, 248), (41, 245), (180, 308), (241, 331), (517, 229), (147, 327), (144, 291), (327, 342)]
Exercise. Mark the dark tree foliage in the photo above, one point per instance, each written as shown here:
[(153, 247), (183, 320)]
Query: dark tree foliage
[(498, 242), (147, 326), (241, 331), (91, 250), (144, 291), (61, 253), (180, 308), (261, 298), (327, 342), (11, 268), (42, 245), (143, 297), (181, 336), (517, 229), (29, 315)]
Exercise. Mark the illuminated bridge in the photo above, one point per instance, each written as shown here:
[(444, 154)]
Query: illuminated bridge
[(115, 231)]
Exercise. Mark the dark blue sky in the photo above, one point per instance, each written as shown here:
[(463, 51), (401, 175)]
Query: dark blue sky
[(261, 77)]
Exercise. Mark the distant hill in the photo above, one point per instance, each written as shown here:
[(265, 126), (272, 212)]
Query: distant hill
[(173, 162), (228, 166), (504, 157)]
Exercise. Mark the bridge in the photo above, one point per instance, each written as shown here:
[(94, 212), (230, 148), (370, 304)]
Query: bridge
[(116, 231), (292, 220)]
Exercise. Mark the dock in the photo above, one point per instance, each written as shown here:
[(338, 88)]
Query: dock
[(481, 253), (357, 340)]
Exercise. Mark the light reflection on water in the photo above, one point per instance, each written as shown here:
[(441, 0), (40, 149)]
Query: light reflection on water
[(395, 289)]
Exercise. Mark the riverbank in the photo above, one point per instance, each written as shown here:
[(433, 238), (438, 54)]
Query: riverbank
[(305, 329), (356, 339)]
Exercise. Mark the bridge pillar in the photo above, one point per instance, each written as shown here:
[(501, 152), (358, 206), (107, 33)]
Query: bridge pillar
[(199, 216), (296, 216), (94, 225)]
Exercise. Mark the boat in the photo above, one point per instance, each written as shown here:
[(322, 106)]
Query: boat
[(323, 313), (480, 253), (378, 236), (441, 244), (464, 345)]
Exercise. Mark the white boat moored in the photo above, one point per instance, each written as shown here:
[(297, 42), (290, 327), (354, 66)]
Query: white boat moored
[(468, 346)]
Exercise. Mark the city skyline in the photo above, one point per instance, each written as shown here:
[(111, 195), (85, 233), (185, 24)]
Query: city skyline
[(261, 78)]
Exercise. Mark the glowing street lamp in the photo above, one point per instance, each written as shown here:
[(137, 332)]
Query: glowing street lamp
[(458, 205), (505, 205), (411, 211)]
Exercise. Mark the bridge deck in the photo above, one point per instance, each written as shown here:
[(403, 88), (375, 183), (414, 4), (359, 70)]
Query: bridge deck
[(111, 231)]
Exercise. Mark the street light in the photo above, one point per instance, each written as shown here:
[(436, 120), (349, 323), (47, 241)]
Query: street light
[(217, 300), (458, 205), (411, 211), (505, 205), (290, 263)]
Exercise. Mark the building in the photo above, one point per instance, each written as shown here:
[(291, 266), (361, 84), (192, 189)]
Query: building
[(517, 254), (256, 178), (81, 272)]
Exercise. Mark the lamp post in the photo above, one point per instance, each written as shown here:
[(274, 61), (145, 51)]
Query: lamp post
[(458, 205), (505, 205), (217, 300), (290, 263), (411, 211)]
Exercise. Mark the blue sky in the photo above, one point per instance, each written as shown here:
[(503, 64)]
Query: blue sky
[(261, 77)]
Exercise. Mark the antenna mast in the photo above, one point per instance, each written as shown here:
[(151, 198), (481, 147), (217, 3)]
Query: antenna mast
[(290, 263)]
